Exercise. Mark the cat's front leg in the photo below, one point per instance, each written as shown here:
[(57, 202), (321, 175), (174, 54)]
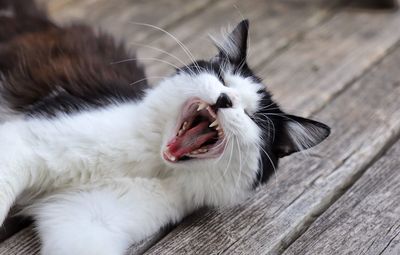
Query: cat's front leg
[(17, 173), (107, 219), (13, 181)]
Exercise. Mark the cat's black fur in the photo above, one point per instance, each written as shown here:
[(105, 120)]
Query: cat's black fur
[(46, 69)]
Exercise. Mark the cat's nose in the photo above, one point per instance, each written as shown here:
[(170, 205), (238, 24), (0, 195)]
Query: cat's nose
[(223, 101)]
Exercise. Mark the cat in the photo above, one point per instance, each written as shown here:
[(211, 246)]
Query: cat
[(101, 164)]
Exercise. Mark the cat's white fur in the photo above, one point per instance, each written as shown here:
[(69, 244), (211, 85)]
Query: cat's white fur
[(96, 181)]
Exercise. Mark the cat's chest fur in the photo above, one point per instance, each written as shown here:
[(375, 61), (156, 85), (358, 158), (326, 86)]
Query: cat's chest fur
[(87, 148)]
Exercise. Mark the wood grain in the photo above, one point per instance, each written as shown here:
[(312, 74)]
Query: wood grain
[(363, 119), (365, 220), (116, 17), (330, 57), (25, 242), (274, 25)]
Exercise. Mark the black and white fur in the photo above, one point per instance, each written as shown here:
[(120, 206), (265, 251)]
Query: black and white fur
[(83, 152)]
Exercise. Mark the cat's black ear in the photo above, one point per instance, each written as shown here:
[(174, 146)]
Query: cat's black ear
[(234, 45), (298, 134)]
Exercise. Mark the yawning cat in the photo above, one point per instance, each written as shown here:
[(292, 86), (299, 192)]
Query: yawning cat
[(101, 164)]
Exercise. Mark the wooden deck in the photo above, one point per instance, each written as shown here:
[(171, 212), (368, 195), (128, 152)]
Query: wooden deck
[(330, 60)]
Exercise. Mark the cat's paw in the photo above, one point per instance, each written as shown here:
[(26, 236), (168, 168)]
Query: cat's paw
[(3, 214)]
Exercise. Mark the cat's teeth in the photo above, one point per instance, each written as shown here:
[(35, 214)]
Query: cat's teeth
[(215, 123), (170, 157), (202, 106), (180, 132), (218, 127), (198, 151), (211, 112), (184, 126), (220, 133)]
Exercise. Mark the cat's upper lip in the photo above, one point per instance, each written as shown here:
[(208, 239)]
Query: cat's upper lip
[(198, 133)]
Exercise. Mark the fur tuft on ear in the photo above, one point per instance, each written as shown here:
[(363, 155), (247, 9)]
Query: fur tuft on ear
[(234, 45), (299, 134)]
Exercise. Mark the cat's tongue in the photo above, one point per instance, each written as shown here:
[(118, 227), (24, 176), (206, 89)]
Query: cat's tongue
[(191, 140)]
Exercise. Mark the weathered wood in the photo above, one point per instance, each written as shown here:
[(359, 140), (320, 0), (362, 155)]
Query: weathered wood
[(365, 220), (116, 17), (329, 58), (23, 243), (11, 226), (274, 25), (364, 119)]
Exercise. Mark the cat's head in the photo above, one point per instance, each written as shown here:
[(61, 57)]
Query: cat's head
[(223, 122)]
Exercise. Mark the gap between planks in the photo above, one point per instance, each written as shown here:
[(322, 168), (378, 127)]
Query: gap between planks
[(365, 219)]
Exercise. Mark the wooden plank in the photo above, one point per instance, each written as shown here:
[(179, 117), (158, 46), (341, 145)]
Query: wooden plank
[(11, 226), (330, 57), (115, 17), (274, 25), (27, 242), (364, 119), (365, 220), (24, 242)]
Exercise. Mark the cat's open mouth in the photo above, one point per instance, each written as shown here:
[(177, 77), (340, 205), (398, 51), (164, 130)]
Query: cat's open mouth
[(198, 133)]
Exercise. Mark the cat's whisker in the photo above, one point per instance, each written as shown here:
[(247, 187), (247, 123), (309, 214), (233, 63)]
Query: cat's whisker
[(225, 144), (267, 106), (147, 78), (230, 157), (145, 59), (159, 50), (269, 122), (240, 162), (272, 164), (179, 42)]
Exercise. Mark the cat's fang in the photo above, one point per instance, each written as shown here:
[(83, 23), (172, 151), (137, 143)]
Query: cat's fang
[(211, 112), (202, 106), (215, 123), (169, 156)]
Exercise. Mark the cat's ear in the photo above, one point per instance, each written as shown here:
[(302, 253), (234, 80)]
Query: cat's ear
[(234, 45), (298, 134)]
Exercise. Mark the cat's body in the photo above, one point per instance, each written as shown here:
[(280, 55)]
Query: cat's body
[(101, 164)]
